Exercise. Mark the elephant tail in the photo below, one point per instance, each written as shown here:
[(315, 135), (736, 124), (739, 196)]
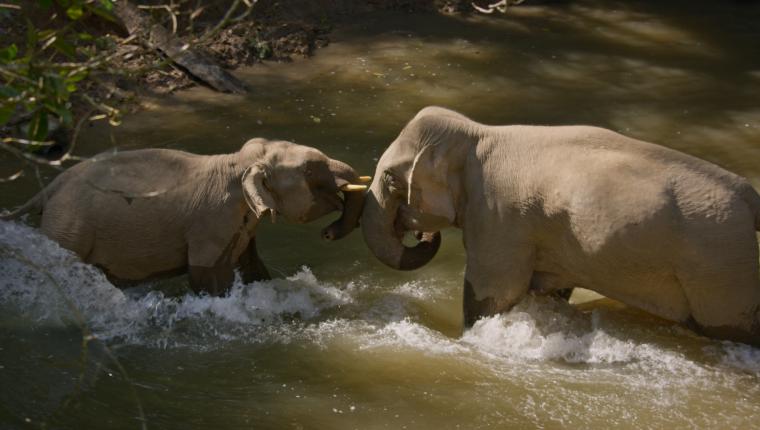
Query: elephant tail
[(35, 204), (753, 200)]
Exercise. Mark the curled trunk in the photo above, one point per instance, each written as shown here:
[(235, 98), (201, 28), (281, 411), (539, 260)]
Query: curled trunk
[(353, 201), (385, 240)]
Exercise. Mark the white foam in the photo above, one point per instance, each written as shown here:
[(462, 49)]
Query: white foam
[(420, 290), (80, 290), (540, 328), (301, 308), (406, 334), (737, 356)]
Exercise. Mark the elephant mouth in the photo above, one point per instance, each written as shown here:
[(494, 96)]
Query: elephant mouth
[(384, 226), (405, 223)]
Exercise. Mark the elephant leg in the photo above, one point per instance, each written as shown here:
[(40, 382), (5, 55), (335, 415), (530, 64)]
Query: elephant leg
[(499, 268), (252, 267), (494, 287), (213, 277), (724, 295), (473, 309), (213, 280)]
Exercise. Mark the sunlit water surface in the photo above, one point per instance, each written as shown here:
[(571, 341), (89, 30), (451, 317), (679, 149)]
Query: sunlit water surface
[(339, 341)]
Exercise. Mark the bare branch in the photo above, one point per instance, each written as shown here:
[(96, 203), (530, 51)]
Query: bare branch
[(13, 177), (501, 6)]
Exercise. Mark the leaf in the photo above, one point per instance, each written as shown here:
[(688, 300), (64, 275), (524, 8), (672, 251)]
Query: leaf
[(8, 91), (5, 113), (107, 5), (75, 12), (38, 128), (55, 84), (63, 114), (64, 47), (31, 38), (8, 54), (105, 13), (45, 34), (85, 36), (45, 3), (76, 77)]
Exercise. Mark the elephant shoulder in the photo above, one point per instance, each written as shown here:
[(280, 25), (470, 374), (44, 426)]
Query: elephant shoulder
[(439, 112)]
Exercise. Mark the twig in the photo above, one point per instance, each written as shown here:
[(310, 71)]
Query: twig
[(223, 22), (249, 4), (41, 183), (28, 142), (28, 157), (13, 177), (167, 8), (74, 137), (501, 6)]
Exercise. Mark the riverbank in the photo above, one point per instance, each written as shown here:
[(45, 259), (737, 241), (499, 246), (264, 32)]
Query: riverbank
[(274, 32)]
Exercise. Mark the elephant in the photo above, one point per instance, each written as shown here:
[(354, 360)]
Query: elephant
[(153, 213), (546, 208)]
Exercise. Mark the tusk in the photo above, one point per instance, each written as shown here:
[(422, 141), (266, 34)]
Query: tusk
[(353, 187), (365, 179)]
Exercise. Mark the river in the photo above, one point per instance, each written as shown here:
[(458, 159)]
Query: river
[(338, 341)]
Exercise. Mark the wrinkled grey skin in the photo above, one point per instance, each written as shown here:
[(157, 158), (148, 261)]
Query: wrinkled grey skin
[(157, 212), (550, 208)]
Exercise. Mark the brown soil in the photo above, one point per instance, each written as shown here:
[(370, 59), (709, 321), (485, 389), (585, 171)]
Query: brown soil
[(279, 31)]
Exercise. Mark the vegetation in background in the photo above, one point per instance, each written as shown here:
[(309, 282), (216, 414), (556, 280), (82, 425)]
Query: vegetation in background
[(49, 56), (63, 62), (66, 62)]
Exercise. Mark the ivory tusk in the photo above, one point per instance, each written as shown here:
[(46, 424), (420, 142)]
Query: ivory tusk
[(353, 187), (365, 179)]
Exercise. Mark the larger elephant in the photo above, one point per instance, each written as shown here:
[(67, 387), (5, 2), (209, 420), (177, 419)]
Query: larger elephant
[(154, 212), (547, 208)]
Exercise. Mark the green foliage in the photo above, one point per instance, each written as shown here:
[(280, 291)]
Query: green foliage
[(41, 77)]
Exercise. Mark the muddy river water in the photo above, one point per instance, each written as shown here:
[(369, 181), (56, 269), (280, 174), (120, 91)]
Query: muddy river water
[(339, 341)]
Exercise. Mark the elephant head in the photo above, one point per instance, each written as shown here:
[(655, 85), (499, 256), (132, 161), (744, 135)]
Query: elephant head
[(301, 184), (417, 187)]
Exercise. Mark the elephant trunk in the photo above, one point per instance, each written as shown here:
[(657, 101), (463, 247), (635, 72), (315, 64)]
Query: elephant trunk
[(353, 201), (384, 237)]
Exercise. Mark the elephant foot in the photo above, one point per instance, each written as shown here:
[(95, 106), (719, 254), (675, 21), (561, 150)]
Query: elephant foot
[(734, 334), (550, 284), (251, 266), (475, 309), (256, 273), (215, 281)]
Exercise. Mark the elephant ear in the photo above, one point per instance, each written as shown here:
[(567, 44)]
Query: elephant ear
[(256, 193), (429, 188)]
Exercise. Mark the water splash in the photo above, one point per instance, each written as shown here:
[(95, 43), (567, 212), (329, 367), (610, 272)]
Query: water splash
[(301, 308), (153, 318)]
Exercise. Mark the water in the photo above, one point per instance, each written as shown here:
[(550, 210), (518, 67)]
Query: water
[(339, 341)]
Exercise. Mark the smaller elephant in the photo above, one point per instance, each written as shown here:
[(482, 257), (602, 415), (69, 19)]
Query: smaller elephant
[(551, 208), (153, 213)]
